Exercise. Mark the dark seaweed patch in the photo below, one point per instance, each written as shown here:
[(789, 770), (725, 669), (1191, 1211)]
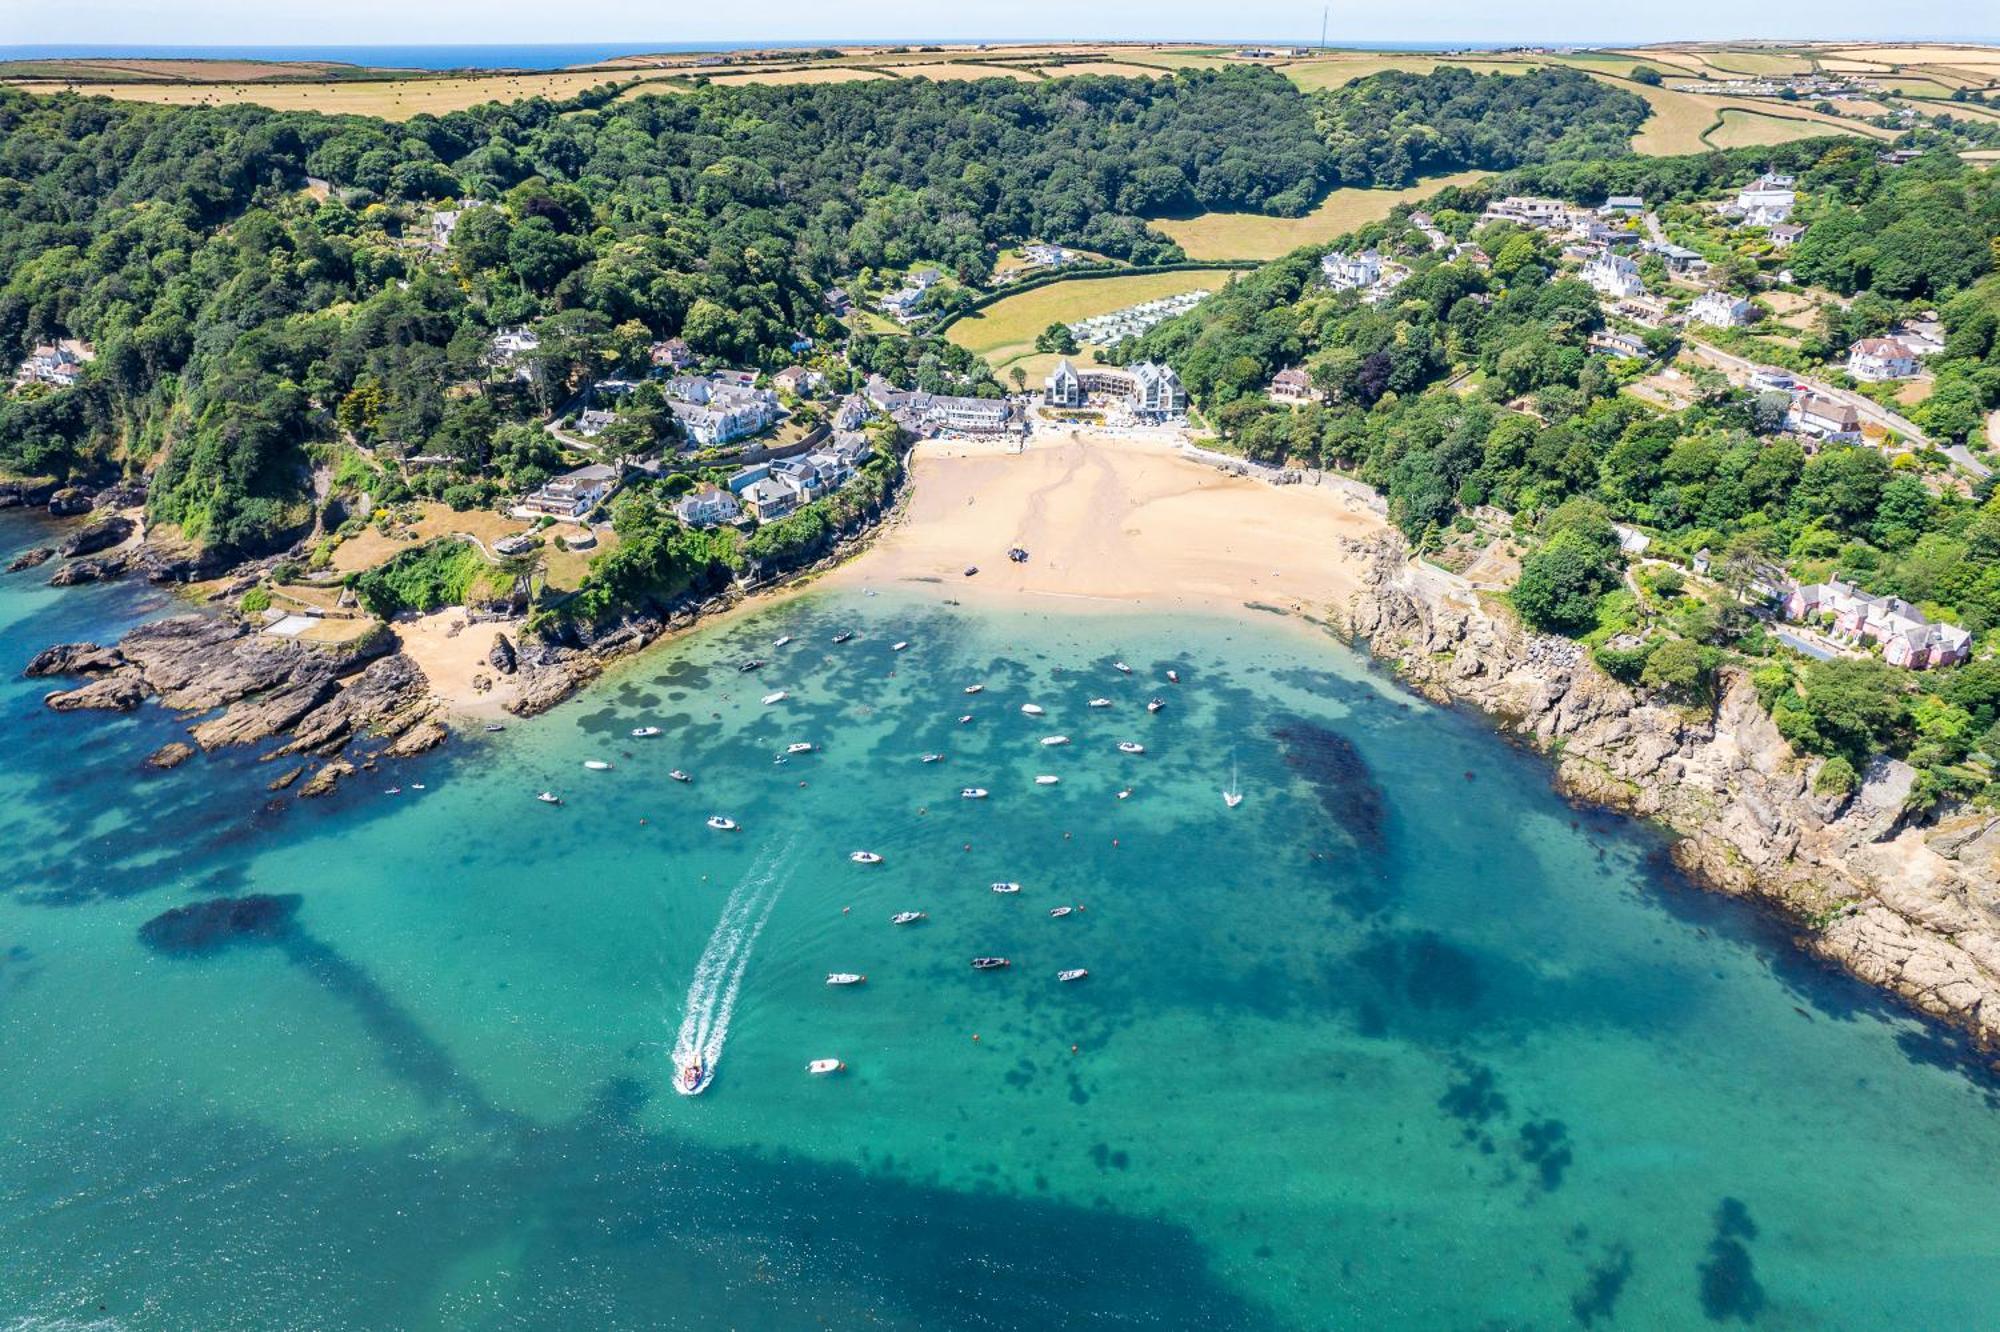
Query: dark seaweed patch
[(1545, 1145), (1473, 1100), (1729, 1287), (210, 926), (1422, 971), (1602, 1287), (1346, 786)]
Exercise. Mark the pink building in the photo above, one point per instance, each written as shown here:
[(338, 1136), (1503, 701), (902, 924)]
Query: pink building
[(1908, 638)]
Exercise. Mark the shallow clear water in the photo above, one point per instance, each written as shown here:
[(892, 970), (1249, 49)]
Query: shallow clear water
[(1403, 1041)]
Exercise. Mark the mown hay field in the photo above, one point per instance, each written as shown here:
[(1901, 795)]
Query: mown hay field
[(1256, 236), (395, 99), (1004, 332)]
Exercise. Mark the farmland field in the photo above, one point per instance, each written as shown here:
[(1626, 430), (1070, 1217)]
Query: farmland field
[(1755, 62), (949, 69), (1748, 129), (815, 74), (1256, 236), (1005, 331), (392, 99)]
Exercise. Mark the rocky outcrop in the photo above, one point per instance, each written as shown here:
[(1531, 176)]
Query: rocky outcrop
[(502, 656), (29, 494), (71, 502), (75, 573), (29, 559), (1914, 908), (170, 755), (322, 782), (93, 537)]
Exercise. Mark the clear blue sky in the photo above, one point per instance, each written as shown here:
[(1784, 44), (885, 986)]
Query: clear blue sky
[(664, 22)]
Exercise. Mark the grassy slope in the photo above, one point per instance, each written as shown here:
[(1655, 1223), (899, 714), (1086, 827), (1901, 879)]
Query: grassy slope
[(1255, 236), (1005, 331)]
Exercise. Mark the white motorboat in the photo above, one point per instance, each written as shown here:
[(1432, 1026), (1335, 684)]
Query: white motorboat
[(775, 696), (908, 917), (800, 747), (973, 793), (1100, 702), (1130, 747), (782, 640), (693, 1077), (975, 689), (966, 718), (754, 664), (597, 765), (1060, 912), (1124, 794), (898, 646), (720, 824), (1121, 668), (1073, 974), (844, 978), (1047, 779), (417, 786), (1055, 739), (1173, 677), (864, 857), (392, 790), (843, 636), (1155, 704), (549, 798), (821, 1067), (680, 776), (1006, 887), (988, 963), (644, 732), (1032, 709), (933, 758), (1232, 794)]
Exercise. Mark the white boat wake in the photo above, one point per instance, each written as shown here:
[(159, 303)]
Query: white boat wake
[(718, 974)]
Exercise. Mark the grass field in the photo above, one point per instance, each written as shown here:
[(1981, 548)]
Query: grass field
[(1117, 68), (1747, 129), (1255, 236), (948, 69), (1004, 332), (1755, 62), (395, 99), (820, 74)]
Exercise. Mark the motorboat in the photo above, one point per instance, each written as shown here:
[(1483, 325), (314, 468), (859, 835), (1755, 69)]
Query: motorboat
[(975, 689), (933, 758), (644, 732), (775, 696), (549, 798), (1125, 794), (754, 664), (680, 776), (1073, 974), (1130, 747), (1121, 668), (988, 963), (864, 857), (844, 978), (821, 1067), (843, 636), (1032, 709), (1173, 677), (1100, 702), (720, 824), (1155, 704), (1060, 912), (1232, 794), (693, 1077), (417, 786), (597, 765), (1006, 887), (392, 790), (966, 718), (908, 917), (973, 793), (1047, 779), (898, 646), (782, 640), (494, 726), (800, 747), (1055, 739)]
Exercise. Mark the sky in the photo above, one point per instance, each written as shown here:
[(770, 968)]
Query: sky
[(661, 23)]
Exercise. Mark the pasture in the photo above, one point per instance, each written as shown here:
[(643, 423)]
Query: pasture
[(1004, 332), (1256, 236), (390, 99)]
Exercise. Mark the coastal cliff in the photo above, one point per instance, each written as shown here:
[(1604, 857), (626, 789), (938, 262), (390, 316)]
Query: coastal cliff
[(1911, 906)]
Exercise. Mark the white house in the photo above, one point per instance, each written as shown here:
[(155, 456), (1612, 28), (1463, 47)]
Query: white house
[(1720, 309), (1614, 343), (508, 348), (1628, 205), (719, 408), (1614, 276), (58, 364), (1767, 201), (1874, 359), (573, 494), (1292, 386), (707, 506), (1346, 272), (1528, 212), (1823, 418), (1148, 390)]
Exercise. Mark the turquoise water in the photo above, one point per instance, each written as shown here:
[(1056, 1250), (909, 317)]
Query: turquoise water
[(1403, 1041)]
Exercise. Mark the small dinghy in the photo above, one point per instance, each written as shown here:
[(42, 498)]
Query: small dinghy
[(975, 689), (1032, 709), (1006, 887), (822, 1067), (644, 732), (843, 636), (494, 726), (417, 786), (800, 747), (973, 793), (776, 696), (908, 917), (1130, 747), (754, 664), (782, 640), (1173, 677), (1073, 974), (597, 765), (844, 978), (1121, 668), (680, 776), (932, 758), (1055, 739), (1155, 704), (549, 798), (864, 857), (693, 1077), (1047, 779), (720, 824), (392, 790), (1100, 702), (1125, 793), (898, 646), (1060, 912), (988, 963)]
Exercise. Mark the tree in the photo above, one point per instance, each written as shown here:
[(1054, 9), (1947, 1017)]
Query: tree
[(1647, 75), (1560, 584), (1057, 339), (1679, 667)]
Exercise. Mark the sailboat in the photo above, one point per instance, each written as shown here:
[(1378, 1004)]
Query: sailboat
[(1232, 794)]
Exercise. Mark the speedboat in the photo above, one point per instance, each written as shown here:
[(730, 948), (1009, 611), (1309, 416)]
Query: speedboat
[(1100, 702), (975, 689), (1232, 794), (680, 776), (933, 758), (549, 798), (720, 824), (782, 640), (1125, 793), (844, 978), (1060, 912), (1130, 747), (1032, 709), (754, 664), (821, 1067), (1055, 739), (864, 857), (1173, 677), (1073, 974), (843, 636), (966, 718), (800, 747), (1121, 668), (1047, 779), (988, 963), (693, 1077), (777, 696), (1006, 887), (899, 646), (973, 793), (1155, 704), (597, 765), (644, 732), (1232, 798), (908, 917)]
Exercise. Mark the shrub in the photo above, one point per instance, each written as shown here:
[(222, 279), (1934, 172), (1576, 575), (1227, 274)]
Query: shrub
[(1836, 776), (256, 601)]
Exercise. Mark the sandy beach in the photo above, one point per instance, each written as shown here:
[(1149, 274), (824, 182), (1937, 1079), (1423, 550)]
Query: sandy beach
[(1115, 521)]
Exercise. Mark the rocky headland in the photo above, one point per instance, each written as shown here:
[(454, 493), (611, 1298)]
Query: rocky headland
[(1908, 904)]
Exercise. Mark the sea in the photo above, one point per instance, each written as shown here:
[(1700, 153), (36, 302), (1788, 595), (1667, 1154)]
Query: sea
[(1402, 1041)]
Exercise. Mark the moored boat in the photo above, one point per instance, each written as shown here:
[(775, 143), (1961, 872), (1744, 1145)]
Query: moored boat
[(644, 732), (1155, 704), (1173, 677), (549, 798), (680, 776), (1130, 747), (1047, 779), (775, 696), (966, 718), (1055, 739), (800, 747), (1006, 887), (597, 765), (864, 857), (1032, 709), (899, 645), (908, 917), (988, 963), (932, 758), (844, 978), (754, 664), (1121, 668), (720, 824), (782, 640), (1061, 911), (843, 636), (975, 688), (1100, 702), (821, 1067), (1073, 974), (972, 793)]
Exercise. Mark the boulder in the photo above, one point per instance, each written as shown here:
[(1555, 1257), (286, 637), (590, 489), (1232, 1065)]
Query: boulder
[(286, 778), (74, 659), (78, 572), (170, 756), (425, 736), (71, 502), (28, 559), (93, 537), (322, 782), (502, 656)]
